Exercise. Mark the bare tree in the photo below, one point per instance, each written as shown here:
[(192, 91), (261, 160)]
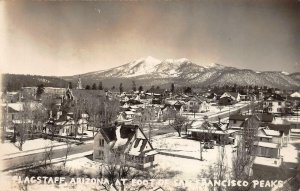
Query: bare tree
[(146, 119), (48, 154), (4, 122), (21, 130), (179, 123), (116, 170), (39, 116), (243, 159), (68, 150), (23, 124), (195, 109)]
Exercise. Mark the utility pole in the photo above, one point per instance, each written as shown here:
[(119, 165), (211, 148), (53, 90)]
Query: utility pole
[(201, 157)]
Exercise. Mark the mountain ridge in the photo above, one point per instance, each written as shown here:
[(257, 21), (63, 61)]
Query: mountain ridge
[(150, 71), (187, 72)]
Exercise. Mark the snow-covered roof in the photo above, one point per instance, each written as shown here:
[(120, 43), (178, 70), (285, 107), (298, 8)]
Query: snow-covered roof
[(208, 131), (267, 161), (266, 144), (129, 112), (119, 140), (295, 94), (272, 132), (22, 121)]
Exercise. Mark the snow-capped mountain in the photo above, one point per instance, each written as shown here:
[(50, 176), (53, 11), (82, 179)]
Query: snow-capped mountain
[(184, 71)]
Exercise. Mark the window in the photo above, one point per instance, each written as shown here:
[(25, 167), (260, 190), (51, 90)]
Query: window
[(138, 159), (279, 103), (149, 159), (101, 142), (101, 155), (234, 121)]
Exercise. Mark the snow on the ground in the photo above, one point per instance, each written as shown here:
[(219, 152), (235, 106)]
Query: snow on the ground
[(183, 147), (83, 165), (290, 153), (10, 148)]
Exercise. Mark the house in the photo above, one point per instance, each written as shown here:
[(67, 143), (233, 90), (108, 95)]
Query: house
[(197, 104), (244, 97), (266, 118), (266, 134), (226, 101), (212, 97), (267, 161), (213, 131), (237, 120), (285, 131), (11, 97), (65, 125), (168, 111), (265, 149), (275, 104), (126, 143), (122, 118), (236, 97), (12, 113)]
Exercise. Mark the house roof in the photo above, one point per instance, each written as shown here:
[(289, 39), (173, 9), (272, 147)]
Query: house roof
[(265, 117), (156, 91), (9, 109), (233, 94), (295, 94), (238, 117), (264, 161), (119, 137), (280, 127), (274, 97), (270, 132), (126, 132), (266, 144)]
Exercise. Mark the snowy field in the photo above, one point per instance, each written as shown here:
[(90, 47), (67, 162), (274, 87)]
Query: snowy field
[(29, 145)]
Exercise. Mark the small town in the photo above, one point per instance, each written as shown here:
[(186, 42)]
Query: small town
[(150, 95), (177, 133)]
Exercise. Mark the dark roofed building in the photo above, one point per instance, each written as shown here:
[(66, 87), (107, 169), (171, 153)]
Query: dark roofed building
[(127, 143)]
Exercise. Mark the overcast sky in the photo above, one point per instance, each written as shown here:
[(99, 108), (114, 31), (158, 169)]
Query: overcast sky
[(66, 38)]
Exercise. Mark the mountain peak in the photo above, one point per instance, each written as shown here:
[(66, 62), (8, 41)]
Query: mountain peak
[(150, 59), (215, 65)]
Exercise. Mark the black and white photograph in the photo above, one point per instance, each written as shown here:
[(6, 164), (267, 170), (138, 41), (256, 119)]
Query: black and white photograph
[(150, 95)]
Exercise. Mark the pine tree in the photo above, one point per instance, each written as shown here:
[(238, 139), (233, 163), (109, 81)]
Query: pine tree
[(121, 88), (40, 90), (133, 86), (70, 85), (172, 88), (94, 86), (100, 86), (87, 87), (141, 88)]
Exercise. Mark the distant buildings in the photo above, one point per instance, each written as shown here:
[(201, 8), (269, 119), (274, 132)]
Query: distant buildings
[(274, 104), (229, 98)]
